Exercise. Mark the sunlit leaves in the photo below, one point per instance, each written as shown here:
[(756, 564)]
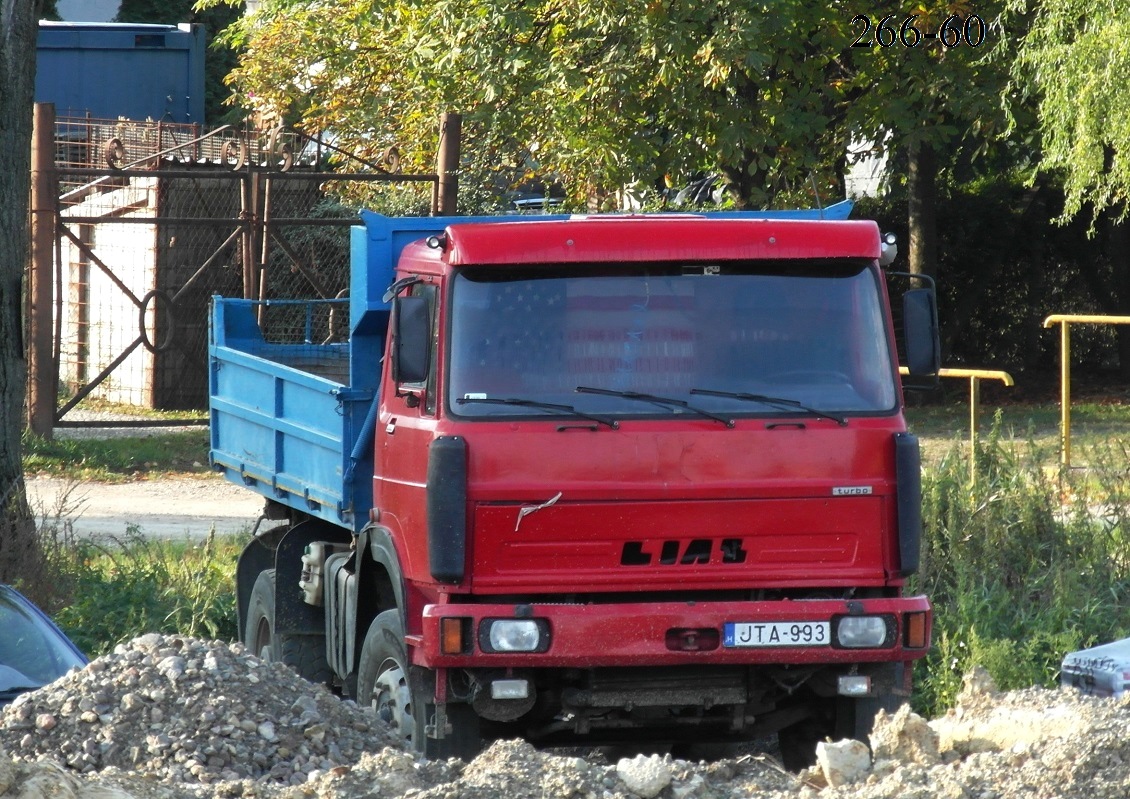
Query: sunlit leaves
[(1075, 64), (929, 93), (610, 92)]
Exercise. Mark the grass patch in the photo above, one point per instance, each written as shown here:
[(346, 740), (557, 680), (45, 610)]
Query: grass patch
[(134, 585), (1089, 422), (117, 459), (110, 410)]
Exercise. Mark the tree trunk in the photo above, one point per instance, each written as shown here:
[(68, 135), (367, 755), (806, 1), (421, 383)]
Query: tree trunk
[(922, 221), (18, 31)]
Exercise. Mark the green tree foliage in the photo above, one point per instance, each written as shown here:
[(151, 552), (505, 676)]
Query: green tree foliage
[(945, 97), (928, 92), (597, 94), (220, 59), (1074, 63)]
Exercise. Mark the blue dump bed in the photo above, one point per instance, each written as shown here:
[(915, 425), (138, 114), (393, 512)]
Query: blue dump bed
[(283, 420), (293, 416)]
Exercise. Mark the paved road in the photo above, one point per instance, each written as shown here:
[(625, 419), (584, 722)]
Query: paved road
[(165, 508)]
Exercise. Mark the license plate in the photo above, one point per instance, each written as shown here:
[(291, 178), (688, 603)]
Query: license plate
[(776, 633)]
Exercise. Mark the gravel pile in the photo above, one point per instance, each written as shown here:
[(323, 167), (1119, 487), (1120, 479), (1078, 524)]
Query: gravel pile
[(187, 711), (167, 717)]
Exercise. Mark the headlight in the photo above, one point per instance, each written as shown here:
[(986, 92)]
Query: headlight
[(861, 632), (514, 635)]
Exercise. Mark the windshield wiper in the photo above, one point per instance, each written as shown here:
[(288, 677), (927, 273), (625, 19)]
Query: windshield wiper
[(654, 399), (767, 400), (545, 406)]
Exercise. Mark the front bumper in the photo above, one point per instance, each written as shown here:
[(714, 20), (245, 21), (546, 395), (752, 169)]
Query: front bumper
[(656, 634)]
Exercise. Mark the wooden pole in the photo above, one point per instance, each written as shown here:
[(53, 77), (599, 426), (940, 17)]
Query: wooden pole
[(447, 166), (44, 198)]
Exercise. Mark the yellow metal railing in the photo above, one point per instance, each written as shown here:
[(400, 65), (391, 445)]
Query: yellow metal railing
[(1065, 321), (975, 377)]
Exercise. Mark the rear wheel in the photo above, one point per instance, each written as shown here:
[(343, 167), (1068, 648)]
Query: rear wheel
[(259, 634), (304, 653), (385, 683)]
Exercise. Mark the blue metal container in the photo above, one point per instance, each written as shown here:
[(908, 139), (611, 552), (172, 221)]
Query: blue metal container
[(109, 70)]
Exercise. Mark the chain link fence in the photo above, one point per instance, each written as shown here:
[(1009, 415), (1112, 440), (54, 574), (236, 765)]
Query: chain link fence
[(154, 219)]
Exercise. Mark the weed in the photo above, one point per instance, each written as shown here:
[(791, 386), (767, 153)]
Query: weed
[(1023, 563), (134, 585)]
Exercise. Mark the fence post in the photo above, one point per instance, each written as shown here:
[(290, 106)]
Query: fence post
[(1064, 320), (975, 376), (1065, 394), (41, 383), (974, 415)]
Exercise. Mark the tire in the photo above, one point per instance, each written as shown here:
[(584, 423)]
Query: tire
[(862, 714), (386, 683), (848, 718), (259, 632), (306, 654), (798, 743)]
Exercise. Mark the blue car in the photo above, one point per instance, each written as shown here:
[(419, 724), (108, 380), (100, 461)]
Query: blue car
[(33, 651)]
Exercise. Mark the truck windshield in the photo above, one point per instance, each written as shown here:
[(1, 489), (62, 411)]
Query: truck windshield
[(703, 340)]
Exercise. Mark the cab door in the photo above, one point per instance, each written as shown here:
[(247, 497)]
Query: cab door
[(407, 427)]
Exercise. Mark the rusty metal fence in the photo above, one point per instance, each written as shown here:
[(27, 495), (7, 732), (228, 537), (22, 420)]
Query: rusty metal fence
[(150, 220)]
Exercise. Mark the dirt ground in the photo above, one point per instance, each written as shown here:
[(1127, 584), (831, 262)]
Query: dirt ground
[(168, 507), (161, 507)]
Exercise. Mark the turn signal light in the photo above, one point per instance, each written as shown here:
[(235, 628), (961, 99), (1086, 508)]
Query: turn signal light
[(451, 635), (915, 633)]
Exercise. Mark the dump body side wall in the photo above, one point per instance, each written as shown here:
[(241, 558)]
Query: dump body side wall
[(282, 430)]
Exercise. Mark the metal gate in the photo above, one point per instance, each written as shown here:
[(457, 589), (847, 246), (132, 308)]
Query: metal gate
[(154, 218)]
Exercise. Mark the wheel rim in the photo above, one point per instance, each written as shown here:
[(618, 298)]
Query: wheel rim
[(263, 640), (392, 699)]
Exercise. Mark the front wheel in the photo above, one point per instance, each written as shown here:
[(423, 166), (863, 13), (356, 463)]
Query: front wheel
[(844, 718), (385, 683), (862, 713)]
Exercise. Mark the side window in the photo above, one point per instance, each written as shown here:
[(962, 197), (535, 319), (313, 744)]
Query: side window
[(429, 291)]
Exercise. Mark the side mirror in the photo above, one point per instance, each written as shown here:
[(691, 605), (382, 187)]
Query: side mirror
[(412, 335), (920, 329)]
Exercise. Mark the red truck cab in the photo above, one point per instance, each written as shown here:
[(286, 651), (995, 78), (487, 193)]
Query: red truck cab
[(640, 478)]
